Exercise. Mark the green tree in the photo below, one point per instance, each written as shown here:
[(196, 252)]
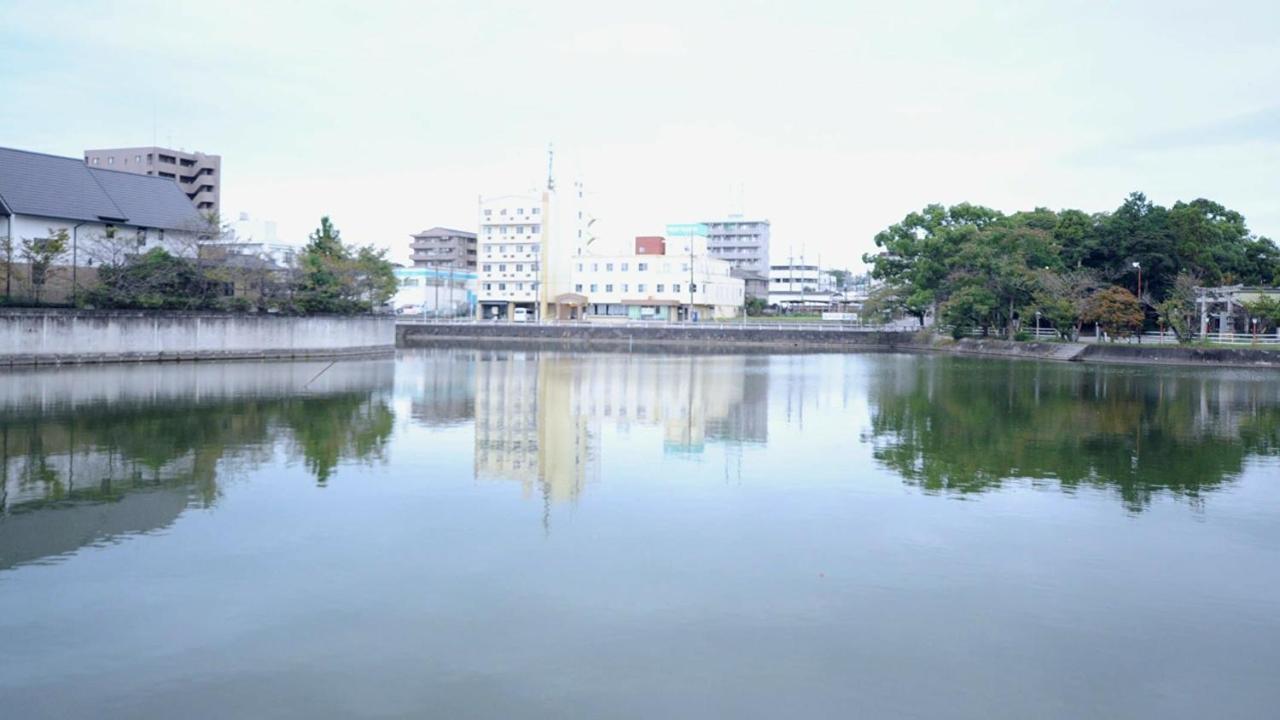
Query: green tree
[(324, 285), (375, 276), (1267, 310), (6, 256), (1178, 309), (1116, 311), (154, 280), (40, 255), (1062, 298), (969, 308)]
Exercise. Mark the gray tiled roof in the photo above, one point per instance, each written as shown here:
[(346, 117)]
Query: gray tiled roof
[(152, 202), (65, 188)]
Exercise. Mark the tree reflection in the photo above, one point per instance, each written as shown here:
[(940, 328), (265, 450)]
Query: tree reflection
[(967, 426), (76, 477)]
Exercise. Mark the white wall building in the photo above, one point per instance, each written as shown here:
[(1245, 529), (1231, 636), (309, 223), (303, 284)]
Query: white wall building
[(526, 248), (434, 292), (671, 278), (801, 286), (106, 213)]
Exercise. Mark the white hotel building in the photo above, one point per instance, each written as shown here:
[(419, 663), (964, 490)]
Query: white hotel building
[(526, 247)]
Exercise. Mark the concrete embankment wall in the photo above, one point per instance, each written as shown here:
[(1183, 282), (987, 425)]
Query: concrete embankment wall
[(1128, 354), (613, 337), (799, 338), (39, 337)]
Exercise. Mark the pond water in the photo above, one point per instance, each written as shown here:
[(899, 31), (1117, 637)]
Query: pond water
[(507, 533)]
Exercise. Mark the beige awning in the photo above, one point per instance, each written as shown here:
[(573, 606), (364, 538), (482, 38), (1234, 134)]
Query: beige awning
[(570, 299)]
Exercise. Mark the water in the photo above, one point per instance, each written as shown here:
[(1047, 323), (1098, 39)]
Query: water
[(483, 533)]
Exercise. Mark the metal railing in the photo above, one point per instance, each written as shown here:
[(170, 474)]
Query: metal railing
[(1156, 338)]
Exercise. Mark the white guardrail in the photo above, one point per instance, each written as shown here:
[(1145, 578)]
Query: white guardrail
[(1167, 337)]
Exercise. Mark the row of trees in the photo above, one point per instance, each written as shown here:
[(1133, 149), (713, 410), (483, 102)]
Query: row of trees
[(327, 276), (973, 267)]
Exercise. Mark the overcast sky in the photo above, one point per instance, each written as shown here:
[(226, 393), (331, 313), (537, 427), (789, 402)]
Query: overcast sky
[(832, 119)]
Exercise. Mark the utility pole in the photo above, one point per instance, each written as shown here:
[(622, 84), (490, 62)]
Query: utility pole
[(689, 315)]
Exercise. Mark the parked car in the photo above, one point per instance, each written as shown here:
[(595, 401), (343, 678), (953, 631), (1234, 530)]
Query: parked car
[(520, 315)]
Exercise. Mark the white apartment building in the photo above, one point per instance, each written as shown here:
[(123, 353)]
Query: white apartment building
[(800, 286), (671, 278), (526, 247)]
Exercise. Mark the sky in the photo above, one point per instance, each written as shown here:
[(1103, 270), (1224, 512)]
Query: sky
[(831, 119)]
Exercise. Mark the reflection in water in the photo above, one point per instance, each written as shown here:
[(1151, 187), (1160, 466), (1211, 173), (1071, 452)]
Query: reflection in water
[(945, 425), (92, 454), (539, 415), (964, 426)]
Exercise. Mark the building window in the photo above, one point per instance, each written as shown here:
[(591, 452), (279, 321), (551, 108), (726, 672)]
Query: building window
[(533, 248), (640, 287), (502, 286), (642, 266), (488, 286), (488, 212), (537, 211), (595, 267), (519, 229), (675, 288), (626, 287), (111, 160), (502, 267), (503, 211), (137, 159), (519, 267), (488, 267), (625, 266), (95, 161), (519, 248), (608, 288), (608, 267), (660, 287), (579, 267), (502, 248), (593, 287), (519, 211), (535, 229), (577, 288)]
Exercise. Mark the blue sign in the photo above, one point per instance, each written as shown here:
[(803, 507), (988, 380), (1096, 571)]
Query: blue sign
[(686, 229)]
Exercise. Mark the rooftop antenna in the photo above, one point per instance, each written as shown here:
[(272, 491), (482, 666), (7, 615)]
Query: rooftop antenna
[(551, 157)]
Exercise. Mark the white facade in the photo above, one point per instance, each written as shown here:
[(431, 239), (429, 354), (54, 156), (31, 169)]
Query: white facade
[(665, 286), (526, 245), (94, 243), (434, 292), (805, 285)]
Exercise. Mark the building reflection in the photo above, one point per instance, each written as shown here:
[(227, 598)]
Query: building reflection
[(89, 455), (540, 416)]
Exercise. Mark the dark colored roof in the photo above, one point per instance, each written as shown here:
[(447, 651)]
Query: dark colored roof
[(65, 188), (444, 232), (52, 186), (147, 201)]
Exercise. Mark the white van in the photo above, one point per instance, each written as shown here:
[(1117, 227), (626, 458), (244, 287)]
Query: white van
[(520, 315)]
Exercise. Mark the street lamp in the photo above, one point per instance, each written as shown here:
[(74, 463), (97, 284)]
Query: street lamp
[(1139, 266), (1255, 331), (1037, 324)]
